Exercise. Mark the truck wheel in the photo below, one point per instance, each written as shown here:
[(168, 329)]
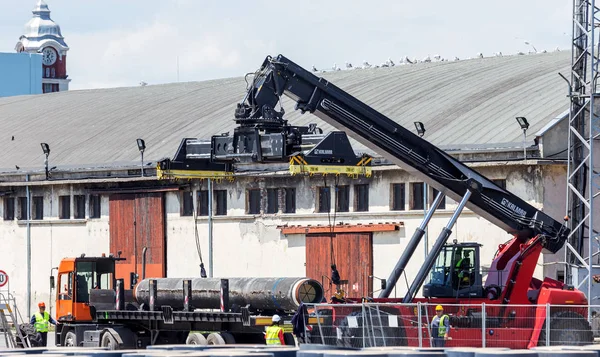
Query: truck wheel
[(567, 328), (215, 339), (196, 338), (70, 339), (109, 342), (228, 338)]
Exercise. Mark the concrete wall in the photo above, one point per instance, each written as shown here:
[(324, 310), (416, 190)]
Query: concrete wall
[(20, 74), (252, 245)]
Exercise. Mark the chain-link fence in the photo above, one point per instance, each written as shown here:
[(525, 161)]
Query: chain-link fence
[(469, 325)]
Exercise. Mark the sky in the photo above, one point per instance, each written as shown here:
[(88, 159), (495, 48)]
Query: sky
[(116, 43)]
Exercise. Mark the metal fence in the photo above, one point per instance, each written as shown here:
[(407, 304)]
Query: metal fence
[(476, 325)]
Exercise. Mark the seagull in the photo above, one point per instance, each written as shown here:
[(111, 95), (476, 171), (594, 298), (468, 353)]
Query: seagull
[(384, 65), (498, 54), (17, 167), (390, 62), (366, 64), (544, 51), (520, 53), (456, 58), (407, 60), (335, 67), (143, 84), (437, 58), (427, 59), (348, 65), (480, 55), (557, 49), (314, 69)]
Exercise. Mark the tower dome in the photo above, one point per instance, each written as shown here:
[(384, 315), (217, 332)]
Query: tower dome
[(40, 30)]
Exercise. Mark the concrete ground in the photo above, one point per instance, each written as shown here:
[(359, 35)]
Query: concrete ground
[(50, 339)]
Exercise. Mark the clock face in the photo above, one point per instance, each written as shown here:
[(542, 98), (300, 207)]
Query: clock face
[(48, 56)]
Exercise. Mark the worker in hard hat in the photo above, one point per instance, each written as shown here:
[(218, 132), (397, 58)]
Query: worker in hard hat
[(41, 321), (274, 334), (440, 326), (463, 267)]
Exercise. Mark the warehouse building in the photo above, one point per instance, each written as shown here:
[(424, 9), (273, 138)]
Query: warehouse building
[(94, 197)]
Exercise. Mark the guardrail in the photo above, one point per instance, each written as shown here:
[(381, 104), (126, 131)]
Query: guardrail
[(470, 325)]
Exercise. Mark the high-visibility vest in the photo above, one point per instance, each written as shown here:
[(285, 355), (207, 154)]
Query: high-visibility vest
[(42, 322), (272, 335), (442, 327)]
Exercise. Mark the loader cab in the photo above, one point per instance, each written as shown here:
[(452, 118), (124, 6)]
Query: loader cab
[(76, 278), (456, 272)]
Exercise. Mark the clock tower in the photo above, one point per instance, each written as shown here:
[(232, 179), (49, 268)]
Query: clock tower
[(42, 35)]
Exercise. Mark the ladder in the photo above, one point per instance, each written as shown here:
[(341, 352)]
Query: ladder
[(9, 317)]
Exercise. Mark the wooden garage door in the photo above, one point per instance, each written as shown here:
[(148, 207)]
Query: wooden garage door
[(138, 221), (353, 257)]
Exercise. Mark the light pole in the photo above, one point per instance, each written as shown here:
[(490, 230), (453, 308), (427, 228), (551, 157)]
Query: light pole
[(142, 146), (421, 131), (524, 125), (46, 150)]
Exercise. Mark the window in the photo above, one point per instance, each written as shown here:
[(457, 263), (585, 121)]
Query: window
[(65, 286), (361, 194), (221, 200), (79, 207), (22, 208), (53, 73), (92, 275), (202, 203), (37, 209), (187, 204), (64, 207), (560, 275), (47, 72), (434, 194), (254, 201), (342, 203), (398, 197), (323, 199), (9, 208), (290, 200), (272, 200), (95, 206), (47, 88), (500, 183), (417, 199)]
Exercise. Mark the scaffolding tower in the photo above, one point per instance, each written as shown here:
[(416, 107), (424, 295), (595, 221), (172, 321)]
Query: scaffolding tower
[(583, 179)]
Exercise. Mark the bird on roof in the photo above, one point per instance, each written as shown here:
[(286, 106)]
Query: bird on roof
[(557, 49), (519, 53), (390, 62), (348, 65), (456, 58), (480, 55), (143, 84), (498, 54), (335, 67), (437, 58), (17, 167), (314, 69), (366, 64), (407, 60), (427, 59)]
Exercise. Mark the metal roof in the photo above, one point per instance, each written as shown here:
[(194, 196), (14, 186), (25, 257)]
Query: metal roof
[(469, 102)]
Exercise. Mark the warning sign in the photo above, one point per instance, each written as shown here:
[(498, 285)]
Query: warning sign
[(3, 278)]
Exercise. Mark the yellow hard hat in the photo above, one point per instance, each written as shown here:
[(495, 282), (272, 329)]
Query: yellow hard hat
[(439, 308)]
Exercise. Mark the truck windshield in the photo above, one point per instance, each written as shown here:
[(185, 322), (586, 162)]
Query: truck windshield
[(93, 275)]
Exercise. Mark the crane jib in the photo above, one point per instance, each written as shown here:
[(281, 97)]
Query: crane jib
[(280, 76)]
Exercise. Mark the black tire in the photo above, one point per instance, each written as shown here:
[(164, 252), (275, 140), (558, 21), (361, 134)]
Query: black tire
[(196, 338), (228, 338), (70, 339), (567, 328), (289, 339), (109, 342), (215, 339)]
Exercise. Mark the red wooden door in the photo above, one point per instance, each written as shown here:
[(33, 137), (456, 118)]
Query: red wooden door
[(138, 221), (353, 254)]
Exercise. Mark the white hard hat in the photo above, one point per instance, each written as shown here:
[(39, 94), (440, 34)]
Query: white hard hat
[(276, 318)]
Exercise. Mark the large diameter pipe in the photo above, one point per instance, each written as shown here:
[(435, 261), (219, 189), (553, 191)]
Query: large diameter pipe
[(260, 293)]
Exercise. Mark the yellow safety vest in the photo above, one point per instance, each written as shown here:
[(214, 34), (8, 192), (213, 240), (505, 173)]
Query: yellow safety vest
[(442, 327), (272, 336), (42, 322)]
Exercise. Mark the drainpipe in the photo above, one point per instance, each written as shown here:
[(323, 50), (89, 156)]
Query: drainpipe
[(210, 229), (28, 247)]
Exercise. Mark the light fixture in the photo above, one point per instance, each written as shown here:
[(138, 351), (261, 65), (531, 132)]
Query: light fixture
[(46, 150), (524, 124), (420, 128), (141, 146)]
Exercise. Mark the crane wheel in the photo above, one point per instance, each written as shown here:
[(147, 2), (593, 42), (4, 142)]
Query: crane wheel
[(109, 341), (567, 328), (196, 338), (70, 339), (222, 338)]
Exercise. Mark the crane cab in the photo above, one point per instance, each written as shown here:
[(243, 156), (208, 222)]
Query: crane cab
[(456, 273), (76, 279)]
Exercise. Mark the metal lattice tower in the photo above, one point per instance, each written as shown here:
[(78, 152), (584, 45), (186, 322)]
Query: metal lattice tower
[(583, 180)]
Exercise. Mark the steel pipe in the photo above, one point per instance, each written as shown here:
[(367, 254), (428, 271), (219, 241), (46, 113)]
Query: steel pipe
[(260, 293)]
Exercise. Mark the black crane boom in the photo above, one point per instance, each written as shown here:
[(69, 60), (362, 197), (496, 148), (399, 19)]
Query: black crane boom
[(279, 76)]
